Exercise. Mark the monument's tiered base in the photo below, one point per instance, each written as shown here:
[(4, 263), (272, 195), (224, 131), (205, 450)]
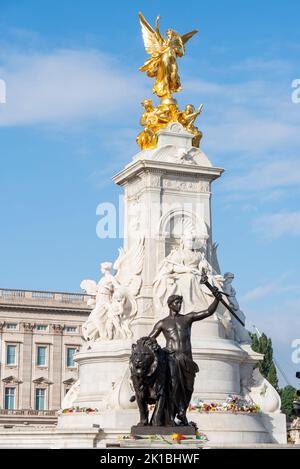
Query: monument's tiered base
[(105, 385), (239, 428), (220, 427), (99, 430)]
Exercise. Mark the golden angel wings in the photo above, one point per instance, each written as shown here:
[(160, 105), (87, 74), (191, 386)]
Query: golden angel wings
[(162, 65)]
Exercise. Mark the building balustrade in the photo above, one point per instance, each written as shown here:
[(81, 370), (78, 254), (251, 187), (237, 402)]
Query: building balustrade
[(28, 412), (42, 296)]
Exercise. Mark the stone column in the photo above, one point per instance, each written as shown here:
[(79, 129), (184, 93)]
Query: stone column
[(1, 358), (57, 364), (27, 358)]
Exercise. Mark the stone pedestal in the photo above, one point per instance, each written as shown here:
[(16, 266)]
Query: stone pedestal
[(102, 366), (220, 428), (229, 428)]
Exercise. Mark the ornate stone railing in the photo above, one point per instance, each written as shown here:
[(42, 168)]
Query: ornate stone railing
[(38, 296), (6, 293), (29, 412)]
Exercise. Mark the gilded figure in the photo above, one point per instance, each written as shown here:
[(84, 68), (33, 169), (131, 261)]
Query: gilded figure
[(162, 65), (187, 119)]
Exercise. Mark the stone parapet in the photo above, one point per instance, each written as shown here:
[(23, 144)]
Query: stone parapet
[(43, 299)]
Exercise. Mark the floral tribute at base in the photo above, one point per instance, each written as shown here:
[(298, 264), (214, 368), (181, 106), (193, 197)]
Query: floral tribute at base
[(232, 404), (79, 410)]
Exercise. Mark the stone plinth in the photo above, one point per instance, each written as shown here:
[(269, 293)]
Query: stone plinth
[(102, 367), (111, 422), (223, 428)]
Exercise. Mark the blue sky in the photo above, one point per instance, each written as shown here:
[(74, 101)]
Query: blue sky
[(70, 121)]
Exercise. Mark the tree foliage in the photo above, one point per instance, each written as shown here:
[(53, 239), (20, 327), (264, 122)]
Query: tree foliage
[(288, 395), (267, 367)]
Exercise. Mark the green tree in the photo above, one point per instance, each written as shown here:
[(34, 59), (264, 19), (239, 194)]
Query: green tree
[(272, 376), (288, 395), (267, 367)]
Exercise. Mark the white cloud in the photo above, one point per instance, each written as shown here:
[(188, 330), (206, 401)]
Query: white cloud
[(277, 286), (252, 128), (251, 117), (266, 175), (275, 225), (66, 85), (260, 292), (247, 117), (255, 64)]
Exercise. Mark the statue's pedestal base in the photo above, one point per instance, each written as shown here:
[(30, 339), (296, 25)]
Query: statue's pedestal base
[(111, 422), (225, 428), (221, 428), (102, 430), (102, 366), (152, 430)]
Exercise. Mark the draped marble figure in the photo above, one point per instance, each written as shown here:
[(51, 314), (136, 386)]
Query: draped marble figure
[(180, 273), (240, 333), (114, 297)]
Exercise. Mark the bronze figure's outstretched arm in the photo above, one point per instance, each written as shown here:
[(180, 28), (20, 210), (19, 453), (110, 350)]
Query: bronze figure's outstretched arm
[(198, 316)]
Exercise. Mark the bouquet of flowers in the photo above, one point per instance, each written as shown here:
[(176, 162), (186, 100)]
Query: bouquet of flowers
[(232, 404), (79, 410)]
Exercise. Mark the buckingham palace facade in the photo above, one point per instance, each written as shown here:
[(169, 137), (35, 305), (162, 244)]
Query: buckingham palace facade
[(40, 331)]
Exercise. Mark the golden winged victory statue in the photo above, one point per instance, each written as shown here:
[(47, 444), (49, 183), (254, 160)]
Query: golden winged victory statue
[(162, 65)]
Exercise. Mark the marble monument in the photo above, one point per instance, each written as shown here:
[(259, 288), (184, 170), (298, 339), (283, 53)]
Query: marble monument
[(168, 239), (167, 242)]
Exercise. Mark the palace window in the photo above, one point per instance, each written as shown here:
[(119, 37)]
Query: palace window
[(70, 356), (9, 398), (41, 327), (41, 356), (11, 354), (71, 329), (11, 326), (40, 399)]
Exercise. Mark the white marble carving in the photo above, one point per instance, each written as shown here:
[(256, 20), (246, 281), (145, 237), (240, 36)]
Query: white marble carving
[(180, 274), (179, 155), (119, 397), (71, 395), (175, 146), (241, 334), (115, 304), (263, 393), (214, 258), (185, 185)]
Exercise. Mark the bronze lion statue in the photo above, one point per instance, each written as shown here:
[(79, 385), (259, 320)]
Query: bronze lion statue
[(149, 373)]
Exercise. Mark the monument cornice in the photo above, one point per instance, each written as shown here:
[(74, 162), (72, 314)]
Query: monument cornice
[(138, 167)]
